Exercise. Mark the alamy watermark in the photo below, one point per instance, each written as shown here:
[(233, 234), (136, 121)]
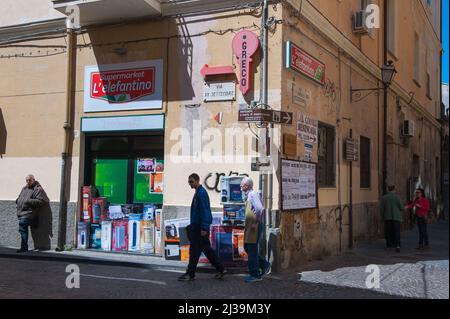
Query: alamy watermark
[(372, 20), (73, 279), (373, 279)]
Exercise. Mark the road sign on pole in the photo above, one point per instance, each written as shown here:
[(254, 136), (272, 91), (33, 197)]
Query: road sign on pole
[(263, 115)]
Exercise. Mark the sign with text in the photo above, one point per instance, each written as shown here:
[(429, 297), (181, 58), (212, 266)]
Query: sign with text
[(245, 44), (298, 185), (307, 128), (219, 91), (300, 61), (264, 115), (127, 86)]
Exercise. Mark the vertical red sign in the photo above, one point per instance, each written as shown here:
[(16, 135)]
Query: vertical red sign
[(245, 44)]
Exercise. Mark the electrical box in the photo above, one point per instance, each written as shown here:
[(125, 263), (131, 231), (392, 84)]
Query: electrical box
[(359, 23)]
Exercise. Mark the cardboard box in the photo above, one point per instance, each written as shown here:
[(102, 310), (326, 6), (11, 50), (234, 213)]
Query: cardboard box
[(87, 194), (99, 205), (83, 235), (120, 235), (106, 235), (134, 232), (95, 236), (147, 236)]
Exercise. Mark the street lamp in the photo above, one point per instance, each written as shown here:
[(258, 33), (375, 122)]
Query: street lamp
[(387, 74)]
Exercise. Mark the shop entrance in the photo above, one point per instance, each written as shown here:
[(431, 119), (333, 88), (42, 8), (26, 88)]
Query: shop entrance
[(125, 171)]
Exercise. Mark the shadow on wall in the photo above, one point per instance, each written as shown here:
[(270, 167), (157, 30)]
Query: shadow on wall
[(3, 135), (43, 233), (176, 52)]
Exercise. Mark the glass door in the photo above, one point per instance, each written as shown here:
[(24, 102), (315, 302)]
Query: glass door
[(111, 176)]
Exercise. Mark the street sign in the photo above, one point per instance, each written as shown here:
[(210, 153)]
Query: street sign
[(282, 117), (255, 115), (263, 115)]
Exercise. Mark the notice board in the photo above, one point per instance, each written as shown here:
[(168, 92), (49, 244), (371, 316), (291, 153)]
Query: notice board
[(298, 185)]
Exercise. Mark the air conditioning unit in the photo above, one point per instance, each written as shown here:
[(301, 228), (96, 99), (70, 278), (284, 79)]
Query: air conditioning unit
[(408, 128), (359, 22)]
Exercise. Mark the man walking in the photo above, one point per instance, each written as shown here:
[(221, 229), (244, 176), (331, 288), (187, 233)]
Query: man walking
[(31, 200), (198, 232), (392, 211), (258, 266)]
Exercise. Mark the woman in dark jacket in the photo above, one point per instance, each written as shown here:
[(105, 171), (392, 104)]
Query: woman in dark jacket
[(422, 207)]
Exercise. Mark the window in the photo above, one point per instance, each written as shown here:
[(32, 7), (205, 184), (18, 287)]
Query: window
[(392, 28), (327, 158), (416, 59), (364, 162), (428, 86)]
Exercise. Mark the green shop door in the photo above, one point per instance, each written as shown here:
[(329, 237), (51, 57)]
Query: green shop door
[(111, 177)]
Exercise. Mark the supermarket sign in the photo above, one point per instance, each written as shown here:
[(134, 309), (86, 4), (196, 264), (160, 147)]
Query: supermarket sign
[(128, 86), (300, 61)]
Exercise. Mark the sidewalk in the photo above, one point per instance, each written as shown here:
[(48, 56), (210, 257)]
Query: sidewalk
[(108, 258), (410, 273)]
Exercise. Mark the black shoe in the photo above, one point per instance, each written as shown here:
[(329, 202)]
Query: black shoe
[(186, 277), (22, 250), (397, 249), (266, 271), (220, 274)]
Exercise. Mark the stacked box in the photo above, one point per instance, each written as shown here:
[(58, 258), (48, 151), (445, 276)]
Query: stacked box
[(83, 235), (106, 235), (99, 209), (95, 236), (147, 236), (134, 232), (87, 194), (120, 235)]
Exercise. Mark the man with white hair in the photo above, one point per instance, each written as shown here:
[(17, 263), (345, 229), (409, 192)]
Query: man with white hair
[(258, 266), (29, 203)]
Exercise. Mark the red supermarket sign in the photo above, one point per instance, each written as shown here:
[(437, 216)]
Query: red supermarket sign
[(302, 62), (123, 86)]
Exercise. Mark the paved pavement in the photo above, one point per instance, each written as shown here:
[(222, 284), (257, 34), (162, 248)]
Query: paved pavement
[(410, 273)]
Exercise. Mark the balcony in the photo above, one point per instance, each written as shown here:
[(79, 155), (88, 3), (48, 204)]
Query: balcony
[(105, 11)]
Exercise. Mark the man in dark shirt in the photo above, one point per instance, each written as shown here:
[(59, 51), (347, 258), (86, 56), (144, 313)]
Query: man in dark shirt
[(198, 232)]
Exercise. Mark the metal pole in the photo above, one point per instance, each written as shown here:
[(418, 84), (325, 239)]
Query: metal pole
[(71, 43), (385, 100), (350, 212), (267, 181)]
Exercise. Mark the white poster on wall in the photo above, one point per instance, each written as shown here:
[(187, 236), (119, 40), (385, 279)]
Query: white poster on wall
[(299, 185), (124, 86), (307, 128)]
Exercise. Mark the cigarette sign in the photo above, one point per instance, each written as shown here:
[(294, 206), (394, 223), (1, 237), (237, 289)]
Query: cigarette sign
[(302, 62), (128, 86)]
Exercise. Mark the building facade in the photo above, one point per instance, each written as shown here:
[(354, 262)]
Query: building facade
[(316, 59)]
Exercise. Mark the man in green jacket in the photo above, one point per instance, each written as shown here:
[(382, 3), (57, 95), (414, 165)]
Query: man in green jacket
[(392, 210)]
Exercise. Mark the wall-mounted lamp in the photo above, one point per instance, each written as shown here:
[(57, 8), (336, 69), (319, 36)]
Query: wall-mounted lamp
[(387, 75)]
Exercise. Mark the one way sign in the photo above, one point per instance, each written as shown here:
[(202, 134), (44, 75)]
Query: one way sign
[(282, 117)]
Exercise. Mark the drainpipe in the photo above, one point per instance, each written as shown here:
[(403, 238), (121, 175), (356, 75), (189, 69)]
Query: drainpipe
[(71, 46), (265, 182), (385, 99)]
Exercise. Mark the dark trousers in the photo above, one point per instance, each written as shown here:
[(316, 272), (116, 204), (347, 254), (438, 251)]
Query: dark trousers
[(23, 230), (392, 233), (423, 233), (255, 262), (198, 245)]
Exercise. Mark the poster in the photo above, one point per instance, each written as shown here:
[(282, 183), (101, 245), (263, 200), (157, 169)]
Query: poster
[(299, 185), (159, 167), (156, 183), (146, 165), (307, 128)]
